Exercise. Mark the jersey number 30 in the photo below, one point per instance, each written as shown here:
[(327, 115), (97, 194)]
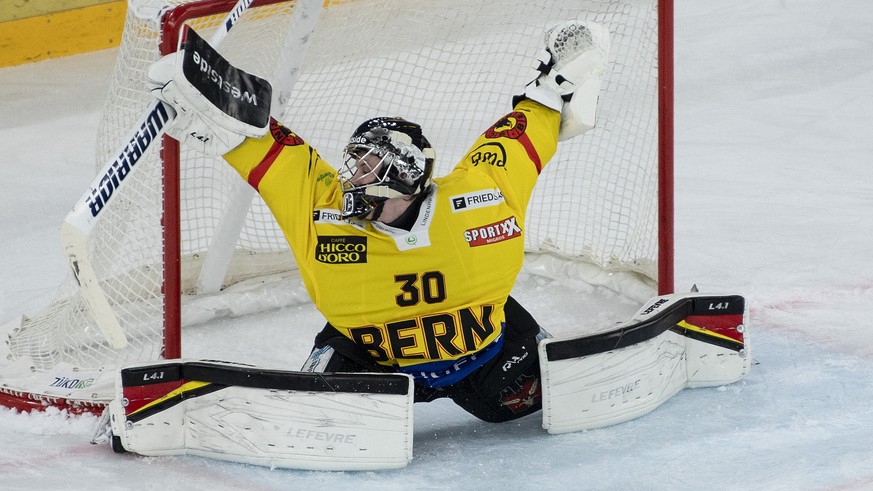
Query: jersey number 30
[(430, 287)]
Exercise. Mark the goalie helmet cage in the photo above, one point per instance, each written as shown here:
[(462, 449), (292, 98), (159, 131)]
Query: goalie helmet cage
[(451, 65)]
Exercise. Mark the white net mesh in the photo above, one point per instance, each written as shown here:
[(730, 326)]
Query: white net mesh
[(450, 65)]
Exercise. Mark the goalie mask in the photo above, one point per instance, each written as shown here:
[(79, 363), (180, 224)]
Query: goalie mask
[(385, 158)]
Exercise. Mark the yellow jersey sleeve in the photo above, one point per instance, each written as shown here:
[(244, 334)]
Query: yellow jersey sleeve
[(290, 176), (514, 151)]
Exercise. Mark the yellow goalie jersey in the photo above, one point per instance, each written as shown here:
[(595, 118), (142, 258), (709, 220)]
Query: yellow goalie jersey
[(428, 301)]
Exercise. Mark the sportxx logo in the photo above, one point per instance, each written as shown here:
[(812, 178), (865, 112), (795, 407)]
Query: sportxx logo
[(496, 232)]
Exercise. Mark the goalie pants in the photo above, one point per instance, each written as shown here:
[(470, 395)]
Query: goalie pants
[(504, 388)]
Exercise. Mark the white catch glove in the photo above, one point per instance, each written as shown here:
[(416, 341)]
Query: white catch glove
[(199, 122), (571, 69)]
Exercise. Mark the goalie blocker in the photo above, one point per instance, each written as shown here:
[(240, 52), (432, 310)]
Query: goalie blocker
[(238, 413), (675, 341), (217, 105)]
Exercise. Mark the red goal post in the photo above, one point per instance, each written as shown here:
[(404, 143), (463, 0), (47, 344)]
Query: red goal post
[(451, 65)]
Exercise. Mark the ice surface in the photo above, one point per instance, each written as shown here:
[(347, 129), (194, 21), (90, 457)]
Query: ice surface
[(774, 172)]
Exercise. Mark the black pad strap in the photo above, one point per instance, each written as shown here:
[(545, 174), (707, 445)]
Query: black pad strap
[(667, 318), (163, 385), (244, 376)]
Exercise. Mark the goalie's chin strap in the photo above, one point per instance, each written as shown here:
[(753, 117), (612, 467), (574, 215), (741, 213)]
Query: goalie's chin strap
[(377, 210)]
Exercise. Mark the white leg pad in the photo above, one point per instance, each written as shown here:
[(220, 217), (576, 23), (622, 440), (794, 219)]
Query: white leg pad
[(676, 341), (285, 419), (613, 387)]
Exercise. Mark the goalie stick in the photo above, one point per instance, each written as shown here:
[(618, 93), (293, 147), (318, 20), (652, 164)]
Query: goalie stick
[(80, 221)]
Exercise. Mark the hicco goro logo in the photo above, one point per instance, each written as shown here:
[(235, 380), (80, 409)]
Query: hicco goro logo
[(341, 249), (511, 126)]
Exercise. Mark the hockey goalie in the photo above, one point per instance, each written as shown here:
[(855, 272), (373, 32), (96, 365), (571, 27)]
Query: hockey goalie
[(413, 273)]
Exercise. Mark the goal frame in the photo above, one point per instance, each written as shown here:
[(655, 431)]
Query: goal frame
[(171, 222)]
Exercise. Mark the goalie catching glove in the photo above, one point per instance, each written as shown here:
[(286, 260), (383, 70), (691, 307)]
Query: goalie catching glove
[(571, 68), (217, 105)]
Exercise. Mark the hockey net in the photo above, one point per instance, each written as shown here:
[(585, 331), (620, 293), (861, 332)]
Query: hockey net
[(188, 229)]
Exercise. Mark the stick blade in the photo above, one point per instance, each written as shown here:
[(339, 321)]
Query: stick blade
[(76, 252)]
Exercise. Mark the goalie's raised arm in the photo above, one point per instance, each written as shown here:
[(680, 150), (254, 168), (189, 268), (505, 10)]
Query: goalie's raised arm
[(217, 105)]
